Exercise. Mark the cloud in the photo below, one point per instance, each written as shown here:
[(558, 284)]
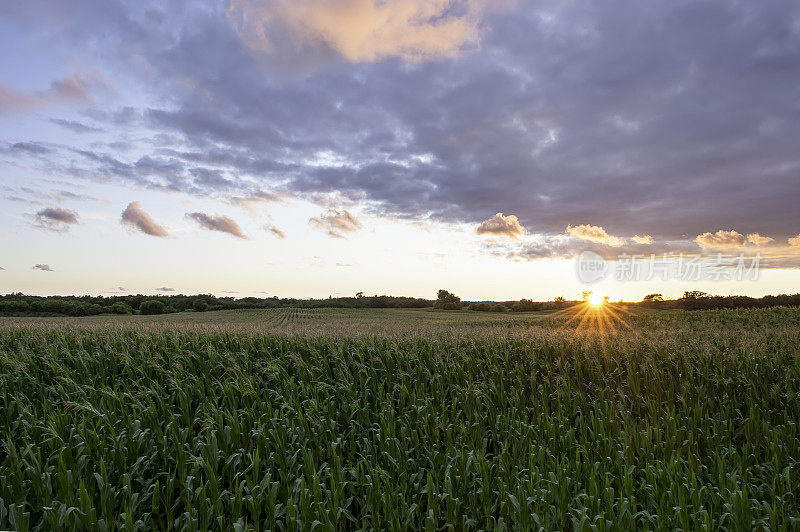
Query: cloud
[(56, 219), (543, 119), (73, 89), (76, 127), (274, 230), (720, 239), (135, 218), (336, 223), (1, 268), (646, 239), (42, 267), (501, 225), (30, 147), (594, 233), (795, 241), (217, 223), (165, 289), (363, 30), (759, 240)]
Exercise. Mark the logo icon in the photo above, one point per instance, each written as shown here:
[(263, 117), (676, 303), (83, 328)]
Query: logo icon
[(590, 267)]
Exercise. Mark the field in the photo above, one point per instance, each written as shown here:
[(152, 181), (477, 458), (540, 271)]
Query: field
[(402, 419)]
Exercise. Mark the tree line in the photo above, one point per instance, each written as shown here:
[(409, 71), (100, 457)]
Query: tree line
[(696, 300), (18, 304)]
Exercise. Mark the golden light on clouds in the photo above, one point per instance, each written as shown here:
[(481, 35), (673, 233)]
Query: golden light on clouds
[(364, 30), (501, 225), (594, 233)]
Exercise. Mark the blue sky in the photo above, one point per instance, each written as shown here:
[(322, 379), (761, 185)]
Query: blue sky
[(325, 147)]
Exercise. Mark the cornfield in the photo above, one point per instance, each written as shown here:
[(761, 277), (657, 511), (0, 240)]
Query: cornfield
[(335, 419)]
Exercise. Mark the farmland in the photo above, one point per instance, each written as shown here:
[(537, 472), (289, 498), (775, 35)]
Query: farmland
[(401, 419)]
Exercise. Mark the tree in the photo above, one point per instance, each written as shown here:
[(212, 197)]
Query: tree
[(447, 301), (526, 305), (199, 305), (560, 302), (694, 300), (694, 294), (653, 301), (151, 306), (121, 308)]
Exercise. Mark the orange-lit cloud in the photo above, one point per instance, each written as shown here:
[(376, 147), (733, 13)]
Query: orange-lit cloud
[(795, 241), (269, 228), (594, 233), (646, 239), (759, 240), (336, 223), (720, 239), (363, 30), (501, 225)]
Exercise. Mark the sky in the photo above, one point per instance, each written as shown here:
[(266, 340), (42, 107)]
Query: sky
[(307, 148)]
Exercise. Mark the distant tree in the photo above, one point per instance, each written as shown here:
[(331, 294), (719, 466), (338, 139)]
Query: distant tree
[(447, 301), (653, 301), (199, 305), (359, 295), (151, 306), (121, 308), (526, 305), (694, 294), (586, 294), (560, 302), (695, 300), (498, 308), (169, 309)]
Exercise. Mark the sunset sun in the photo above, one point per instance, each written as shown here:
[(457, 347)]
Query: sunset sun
[(596, 300)]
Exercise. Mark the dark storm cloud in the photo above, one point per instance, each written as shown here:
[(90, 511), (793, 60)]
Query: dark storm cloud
[(668, 119), (55, 219), (217, 222), (134, 217)]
